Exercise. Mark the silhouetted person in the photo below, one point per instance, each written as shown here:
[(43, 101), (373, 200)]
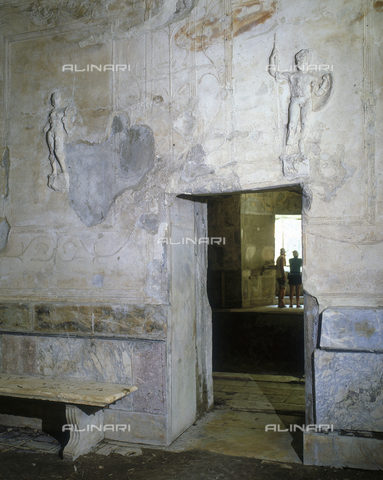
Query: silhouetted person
[(295, 277), (281, 278)]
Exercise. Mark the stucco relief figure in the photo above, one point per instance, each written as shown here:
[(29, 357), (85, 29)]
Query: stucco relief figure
[(56, 132), (310, 90)]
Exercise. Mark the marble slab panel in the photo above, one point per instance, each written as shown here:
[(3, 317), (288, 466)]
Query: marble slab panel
[(133, 320), (14, 317), (149, 375), (101, 360), (91, 359), (18, 355), (141, 427), (349, 390), (349, 328), (62, 319)]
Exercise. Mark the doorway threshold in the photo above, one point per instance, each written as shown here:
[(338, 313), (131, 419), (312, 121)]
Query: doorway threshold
[(264, 309), (253, 416)]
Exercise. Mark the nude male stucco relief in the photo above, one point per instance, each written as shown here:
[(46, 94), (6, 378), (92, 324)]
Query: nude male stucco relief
[(56, 132), (310, 89)]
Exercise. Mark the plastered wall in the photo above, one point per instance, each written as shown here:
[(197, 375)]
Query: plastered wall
[(212, 100)]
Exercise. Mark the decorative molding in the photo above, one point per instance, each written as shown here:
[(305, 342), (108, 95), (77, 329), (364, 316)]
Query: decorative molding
[(65, 247), (369, 116), (124, 296), (14, 3), (369, 218)]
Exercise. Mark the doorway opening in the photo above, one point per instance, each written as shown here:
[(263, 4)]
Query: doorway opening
[(258, 349), (250, 333)]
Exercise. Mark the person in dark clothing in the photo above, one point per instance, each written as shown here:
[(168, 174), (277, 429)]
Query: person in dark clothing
[(281, 277), (295, 278)]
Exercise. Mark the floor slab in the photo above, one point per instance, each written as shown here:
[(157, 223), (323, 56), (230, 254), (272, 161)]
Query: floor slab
[(243, 410)]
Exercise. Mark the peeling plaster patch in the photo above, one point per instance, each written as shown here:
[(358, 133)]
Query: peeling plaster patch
[(314, 147), (136, 153), (262, 90), (209, 30), (149, 222), (196, 154), (157, 281), (118, 124), (295, 166), (233, 184), (307, 197), (359, 17), (251, 14), (331, 173), (237, 134), (139, 17), (158, 99), (182, 10), (99, 173), (197, 37), (194, 166), (185, 122), (98, 280), (225, 180)]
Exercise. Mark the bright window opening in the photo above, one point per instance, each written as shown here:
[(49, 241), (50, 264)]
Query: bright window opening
[(288, 235)]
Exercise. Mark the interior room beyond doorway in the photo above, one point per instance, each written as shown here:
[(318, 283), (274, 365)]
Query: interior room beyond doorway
[(250, 334)]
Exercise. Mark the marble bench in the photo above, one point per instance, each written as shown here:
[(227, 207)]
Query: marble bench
[(86, 430)]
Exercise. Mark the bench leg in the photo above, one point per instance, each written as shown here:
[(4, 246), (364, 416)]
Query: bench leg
[(86, 431)]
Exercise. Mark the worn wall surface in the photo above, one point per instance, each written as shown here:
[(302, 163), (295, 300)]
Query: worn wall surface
[(111, 109)]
